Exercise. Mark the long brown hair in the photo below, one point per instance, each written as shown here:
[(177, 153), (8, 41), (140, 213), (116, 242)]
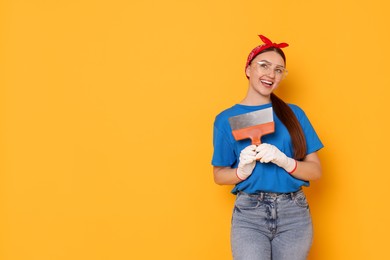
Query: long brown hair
[(288, 118)]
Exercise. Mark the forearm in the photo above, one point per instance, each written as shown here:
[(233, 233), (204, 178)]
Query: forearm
[(225, 176), (309, 169)]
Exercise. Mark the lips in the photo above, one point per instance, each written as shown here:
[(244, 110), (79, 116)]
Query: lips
[(267, 82)]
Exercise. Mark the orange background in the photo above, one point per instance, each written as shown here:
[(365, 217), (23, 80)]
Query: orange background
[(106, 123)]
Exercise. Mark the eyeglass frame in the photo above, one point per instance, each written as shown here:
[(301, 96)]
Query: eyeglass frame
[(267, 70)]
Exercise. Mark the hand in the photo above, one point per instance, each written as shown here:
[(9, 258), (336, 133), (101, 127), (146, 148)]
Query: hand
[(247, 162), (270, 153)]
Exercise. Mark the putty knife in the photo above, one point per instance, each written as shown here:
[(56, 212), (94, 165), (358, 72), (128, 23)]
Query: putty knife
[(253, 125)]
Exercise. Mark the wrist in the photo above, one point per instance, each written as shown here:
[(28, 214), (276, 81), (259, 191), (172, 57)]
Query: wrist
[(292, 165), (240, 175)]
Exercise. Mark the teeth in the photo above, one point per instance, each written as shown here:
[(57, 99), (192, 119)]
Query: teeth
[(267, 82)]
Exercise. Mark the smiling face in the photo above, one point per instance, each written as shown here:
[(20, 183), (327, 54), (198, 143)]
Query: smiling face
[(264, 80)]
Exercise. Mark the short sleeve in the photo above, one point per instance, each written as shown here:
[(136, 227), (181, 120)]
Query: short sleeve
[(313, 142), (223, 155)]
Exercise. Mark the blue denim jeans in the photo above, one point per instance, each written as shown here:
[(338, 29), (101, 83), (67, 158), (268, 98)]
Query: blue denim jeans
[(271, 226)]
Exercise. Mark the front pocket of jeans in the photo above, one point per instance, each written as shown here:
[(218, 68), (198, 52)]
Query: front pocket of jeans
[(301, 201), (244, 203)]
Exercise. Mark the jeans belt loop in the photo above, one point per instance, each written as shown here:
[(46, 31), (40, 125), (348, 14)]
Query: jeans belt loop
[(261, 196), (294, 194)]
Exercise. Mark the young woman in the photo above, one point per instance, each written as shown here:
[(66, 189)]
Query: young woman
[(271, 217)]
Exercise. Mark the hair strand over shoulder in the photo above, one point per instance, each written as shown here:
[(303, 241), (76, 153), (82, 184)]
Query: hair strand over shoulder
[(288, 118)]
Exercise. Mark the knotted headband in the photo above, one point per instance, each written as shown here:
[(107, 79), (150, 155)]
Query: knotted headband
[(266, 45)]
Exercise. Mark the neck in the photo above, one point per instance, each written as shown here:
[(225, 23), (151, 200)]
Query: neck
[(255, 99)]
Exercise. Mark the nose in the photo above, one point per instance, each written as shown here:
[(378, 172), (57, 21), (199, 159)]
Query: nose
[(271, 73)]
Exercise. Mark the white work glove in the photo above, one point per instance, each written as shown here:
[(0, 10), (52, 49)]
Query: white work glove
[(270, 153), (247, 162)]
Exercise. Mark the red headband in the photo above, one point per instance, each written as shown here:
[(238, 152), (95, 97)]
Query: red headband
[(267, 44)]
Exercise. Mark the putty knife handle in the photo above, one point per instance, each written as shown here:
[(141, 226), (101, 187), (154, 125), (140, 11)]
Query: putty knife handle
[(256, 140), (254, 132)]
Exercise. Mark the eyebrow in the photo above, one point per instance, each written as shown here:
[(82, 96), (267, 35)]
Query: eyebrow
[(265, 61)]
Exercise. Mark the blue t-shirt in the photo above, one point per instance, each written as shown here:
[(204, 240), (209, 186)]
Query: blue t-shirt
[(266, 177)]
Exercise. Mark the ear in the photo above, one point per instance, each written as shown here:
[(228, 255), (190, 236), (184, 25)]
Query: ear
[(248, 71)]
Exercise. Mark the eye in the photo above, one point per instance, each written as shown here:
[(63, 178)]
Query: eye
[(279, 71), (263, 65)]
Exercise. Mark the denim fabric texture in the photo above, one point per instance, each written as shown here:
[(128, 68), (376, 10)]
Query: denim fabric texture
[(273, 226)]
